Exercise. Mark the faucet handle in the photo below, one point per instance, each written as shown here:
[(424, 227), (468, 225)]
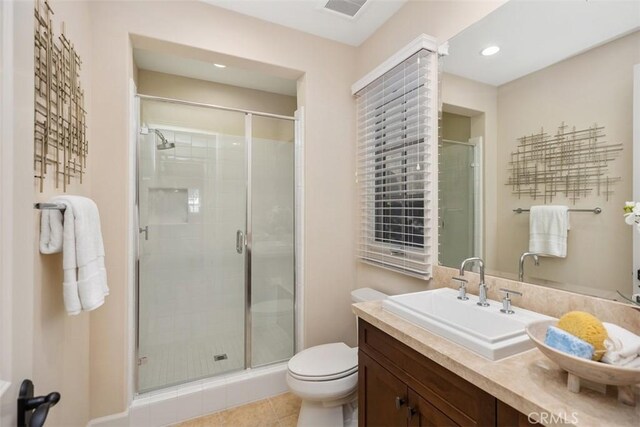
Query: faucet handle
[(506, 301), (507, 292), (462, 288)]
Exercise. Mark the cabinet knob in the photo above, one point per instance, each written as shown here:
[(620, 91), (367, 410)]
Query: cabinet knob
[(400, 402), (410, 412)]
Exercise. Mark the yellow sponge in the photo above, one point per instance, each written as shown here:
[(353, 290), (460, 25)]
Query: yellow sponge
[(586, 327)]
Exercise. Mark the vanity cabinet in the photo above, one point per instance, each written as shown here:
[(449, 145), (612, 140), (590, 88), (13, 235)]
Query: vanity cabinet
[(398, 386)]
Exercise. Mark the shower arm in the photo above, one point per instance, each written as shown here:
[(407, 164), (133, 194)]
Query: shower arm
[(161, 136)]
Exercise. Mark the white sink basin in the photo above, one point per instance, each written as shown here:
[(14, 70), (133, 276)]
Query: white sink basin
[(483, 330)]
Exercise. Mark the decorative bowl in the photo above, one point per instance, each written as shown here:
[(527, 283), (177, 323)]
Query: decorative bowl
[(578, 368), (588, 369)]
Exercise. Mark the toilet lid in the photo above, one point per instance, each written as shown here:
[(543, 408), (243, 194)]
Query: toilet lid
[(327, 361)]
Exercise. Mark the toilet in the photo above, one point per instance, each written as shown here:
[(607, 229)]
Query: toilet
[(325, 377)]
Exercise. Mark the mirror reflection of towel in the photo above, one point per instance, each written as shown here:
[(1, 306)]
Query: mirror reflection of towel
[(548, 226)]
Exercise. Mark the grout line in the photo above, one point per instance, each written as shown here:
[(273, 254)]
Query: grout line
[(273, 409)]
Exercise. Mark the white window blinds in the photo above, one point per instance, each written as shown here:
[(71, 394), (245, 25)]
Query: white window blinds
[(397, 133)]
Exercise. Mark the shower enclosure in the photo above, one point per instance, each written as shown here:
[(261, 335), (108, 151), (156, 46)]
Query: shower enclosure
[(459, 205), (216, 285)]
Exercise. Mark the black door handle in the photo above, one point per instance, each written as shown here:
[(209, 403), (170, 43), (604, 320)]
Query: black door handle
[(39, 416), (33, 411)]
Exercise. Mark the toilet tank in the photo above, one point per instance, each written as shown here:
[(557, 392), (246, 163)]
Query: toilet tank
[(366, 294)]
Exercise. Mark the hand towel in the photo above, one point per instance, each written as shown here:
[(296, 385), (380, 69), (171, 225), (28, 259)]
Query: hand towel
[(548, 227), (85, 278), (623, 346), (633, 364), (50, 231)]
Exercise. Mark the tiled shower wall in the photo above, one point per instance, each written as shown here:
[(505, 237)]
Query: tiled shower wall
[(192, 291)]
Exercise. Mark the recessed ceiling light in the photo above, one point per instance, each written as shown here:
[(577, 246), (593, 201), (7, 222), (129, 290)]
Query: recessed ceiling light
[(491, 50), (220, 65)]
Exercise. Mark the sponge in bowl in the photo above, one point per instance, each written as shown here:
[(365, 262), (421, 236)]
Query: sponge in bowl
[(586, 327), (565, 342)]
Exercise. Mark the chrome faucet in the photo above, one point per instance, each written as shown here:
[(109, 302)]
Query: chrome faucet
[(462, 288), (536, 261), (506, 301), (482, 287)]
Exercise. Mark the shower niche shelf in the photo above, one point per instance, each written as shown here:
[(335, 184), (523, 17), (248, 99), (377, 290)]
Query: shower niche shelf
[(168, 206)]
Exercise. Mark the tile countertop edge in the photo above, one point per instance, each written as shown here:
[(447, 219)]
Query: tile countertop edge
[(592, 407)]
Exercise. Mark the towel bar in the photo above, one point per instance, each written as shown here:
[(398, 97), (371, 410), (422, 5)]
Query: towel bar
[(59, 206), (594, 210)]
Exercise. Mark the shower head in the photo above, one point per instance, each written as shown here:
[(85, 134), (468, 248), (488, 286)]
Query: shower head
[(164, 144)]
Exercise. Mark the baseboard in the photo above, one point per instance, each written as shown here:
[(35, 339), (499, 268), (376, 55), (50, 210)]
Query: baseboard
[(114, 420)]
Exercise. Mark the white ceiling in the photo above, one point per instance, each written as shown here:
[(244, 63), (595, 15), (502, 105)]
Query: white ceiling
[(535, 34), (310, 17), (205, 70)]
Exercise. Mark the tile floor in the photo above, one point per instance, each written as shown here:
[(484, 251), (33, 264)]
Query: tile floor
[(277, 411)]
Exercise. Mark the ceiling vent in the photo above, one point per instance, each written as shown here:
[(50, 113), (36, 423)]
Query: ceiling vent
[(345, 7)]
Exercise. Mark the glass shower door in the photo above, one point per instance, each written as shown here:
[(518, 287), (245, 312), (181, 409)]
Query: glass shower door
[(192, 205), (272, 237), (457, 209)]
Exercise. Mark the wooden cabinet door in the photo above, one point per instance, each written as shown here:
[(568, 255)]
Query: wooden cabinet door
[(424, 414), (509, 417), (382, 397)]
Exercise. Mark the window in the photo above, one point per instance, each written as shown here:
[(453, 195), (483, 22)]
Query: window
[(397, 131)]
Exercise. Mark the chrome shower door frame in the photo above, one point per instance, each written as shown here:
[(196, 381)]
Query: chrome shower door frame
[(248, 317)]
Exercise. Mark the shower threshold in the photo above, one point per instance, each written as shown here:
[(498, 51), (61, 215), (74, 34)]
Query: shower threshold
[(210, 395)]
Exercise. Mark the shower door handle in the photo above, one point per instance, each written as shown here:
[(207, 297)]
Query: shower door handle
[(239, 241), (145, 230)]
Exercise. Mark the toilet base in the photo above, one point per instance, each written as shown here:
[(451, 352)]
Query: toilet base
[(316, 414)]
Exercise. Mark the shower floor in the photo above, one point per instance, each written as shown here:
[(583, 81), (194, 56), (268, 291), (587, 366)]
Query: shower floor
[(174, 363)]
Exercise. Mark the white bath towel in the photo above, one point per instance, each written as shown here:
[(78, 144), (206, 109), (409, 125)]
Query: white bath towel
[(633, 364), (50, 231), (548, 226), (623, 346), (85, 277)]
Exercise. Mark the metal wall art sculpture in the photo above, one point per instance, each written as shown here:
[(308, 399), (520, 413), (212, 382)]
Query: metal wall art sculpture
[(60, 136), (571, 163)]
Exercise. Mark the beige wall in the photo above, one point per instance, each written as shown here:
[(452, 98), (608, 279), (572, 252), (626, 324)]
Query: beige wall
[(456, 127), (594, 87), (213, 120), (48, 346), (171, 86), (17, 207), (329, 135), (61, 342)]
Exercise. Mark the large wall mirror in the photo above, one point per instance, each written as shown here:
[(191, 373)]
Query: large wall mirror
[(543, 117)]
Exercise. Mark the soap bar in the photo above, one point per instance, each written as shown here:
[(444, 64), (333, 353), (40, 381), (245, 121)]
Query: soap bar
[(567, 343)]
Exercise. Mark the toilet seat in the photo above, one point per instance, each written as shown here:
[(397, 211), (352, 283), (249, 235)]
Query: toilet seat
[(325, 362)]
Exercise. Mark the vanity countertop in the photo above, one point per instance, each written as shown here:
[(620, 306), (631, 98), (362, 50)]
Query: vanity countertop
[(529, 381)]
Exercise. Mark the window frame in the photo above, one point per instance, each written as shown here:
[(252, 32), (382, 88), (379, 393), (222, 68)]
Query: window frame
[(380, 243)]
